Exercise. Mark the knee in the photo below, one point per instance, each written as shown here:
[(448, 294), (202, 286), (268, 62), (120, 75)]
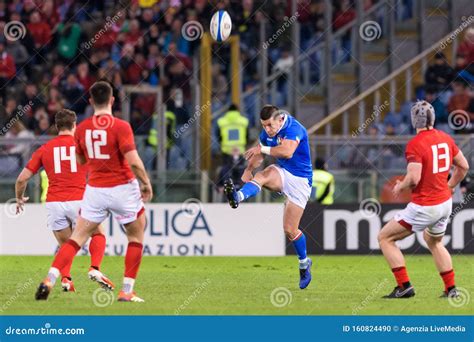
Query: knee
[(290, 232), (381, 237), (431, 242)]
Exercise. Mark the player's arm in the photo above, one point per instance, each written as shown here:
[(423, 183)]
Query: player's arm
[(284, 151), (254, 162), (136, 164), (20, 188), (411, 179), (461, 168)]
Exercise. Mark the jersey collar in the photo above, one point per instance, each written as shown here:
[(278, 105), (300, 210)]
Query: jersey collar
[(285, 122)]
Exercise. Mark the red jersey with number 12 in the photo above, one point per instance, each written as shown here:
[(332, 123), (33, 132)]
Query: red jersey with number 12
[(435, 150), (67, 179), (104, 140)]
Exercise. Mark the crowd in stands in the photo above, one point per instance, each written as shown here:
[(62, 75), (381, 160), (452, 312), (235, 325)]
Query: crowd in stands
[(449, 89)]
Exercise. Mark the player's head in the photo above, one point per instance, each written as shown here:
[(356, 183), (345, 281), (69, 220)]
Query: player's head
[(272, 119), (320, 164), (422, 115), (101, 95), (65, 120)]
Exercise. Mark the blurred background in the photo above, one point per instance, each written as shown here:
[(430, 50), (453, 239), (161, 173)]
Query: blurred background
[(348, 70)]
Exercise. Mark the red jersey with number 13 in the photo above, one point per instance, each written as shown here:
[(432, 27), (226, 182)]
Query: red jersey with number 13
[(66, 178), (435, 150), (104, 140)]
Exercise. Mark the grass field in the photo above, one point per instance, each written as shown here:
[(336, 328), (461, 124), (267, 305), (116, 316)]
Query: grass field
[(233, 286)]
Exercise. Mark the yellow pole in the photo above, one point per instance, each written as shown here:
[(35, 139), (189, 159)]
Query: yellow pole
[(206, 92), (235, 67)]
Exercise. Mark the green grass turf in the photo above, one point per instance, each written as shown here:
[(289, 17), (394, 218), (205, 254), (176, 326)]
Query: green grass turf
[(236, 286)]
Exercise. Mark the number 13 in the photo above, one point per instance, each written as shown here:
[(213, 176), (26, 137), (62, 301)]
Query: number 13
[(438, 155)]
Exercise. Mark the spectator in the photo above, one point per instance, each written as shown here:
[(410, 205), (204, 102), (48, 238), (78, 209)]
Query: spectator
[(30, 100), (7, 68), (440, 74), (466, 48), (460, 99), (441, 113), (40, 31), (74, 95), (84, 76), (68, 44), (18, 130)]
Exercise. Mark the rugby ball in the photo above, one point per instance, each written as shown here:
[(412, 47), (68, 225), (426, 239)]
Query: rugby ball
[(221, 26)]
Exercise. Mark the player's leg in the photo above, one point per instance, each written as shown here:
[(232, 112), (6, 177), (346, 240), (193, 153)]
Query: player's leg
[(269, 178), (133, 257), (97, 249), (62, 236), (291, 222), (443, 262), (390, 233), (66, 254)]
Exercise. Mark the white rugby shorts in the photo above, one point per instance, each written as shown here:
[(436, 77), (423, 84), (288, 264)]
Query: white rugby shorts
[(417, 217), (123, 201), (61, 215), (295, 188)]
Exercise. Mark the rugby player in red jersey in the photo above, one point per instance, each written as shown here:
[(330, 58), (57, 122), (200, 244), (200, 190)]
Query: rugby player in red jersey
[(67, 182), (107, 145), (430, 156)]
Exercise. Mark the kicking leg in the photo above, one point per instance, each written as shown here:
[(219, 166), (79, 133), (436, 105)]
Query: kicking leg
[(291, 221), (133, 258), (443, 262), (390, 233), (269, 178)]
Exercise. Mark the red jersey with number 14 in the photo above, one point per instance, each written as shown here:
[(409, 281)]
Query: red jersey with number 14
[(67, 179), (104, 140), (435, 150)]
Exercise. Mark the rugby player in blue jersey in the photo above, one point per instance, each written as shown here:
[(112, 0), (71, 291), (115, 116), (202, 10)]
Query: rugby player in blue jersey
[(284, 138)]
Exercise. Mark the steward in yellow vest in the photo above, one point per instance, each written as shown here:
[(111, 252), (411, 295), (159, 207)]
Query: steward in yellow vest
[(323, 183), (233, 131)]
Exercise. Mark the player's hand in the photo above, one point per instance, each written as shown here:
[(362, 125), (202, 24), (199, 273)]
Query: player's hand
[(254, 151), (396, 189), (452, 189), (247, 176), (147, 192), (20, 203)]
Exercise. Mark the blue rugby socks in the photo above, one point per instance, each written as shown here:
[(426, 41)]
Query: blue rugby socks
[(249, 189), (299, 242)]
